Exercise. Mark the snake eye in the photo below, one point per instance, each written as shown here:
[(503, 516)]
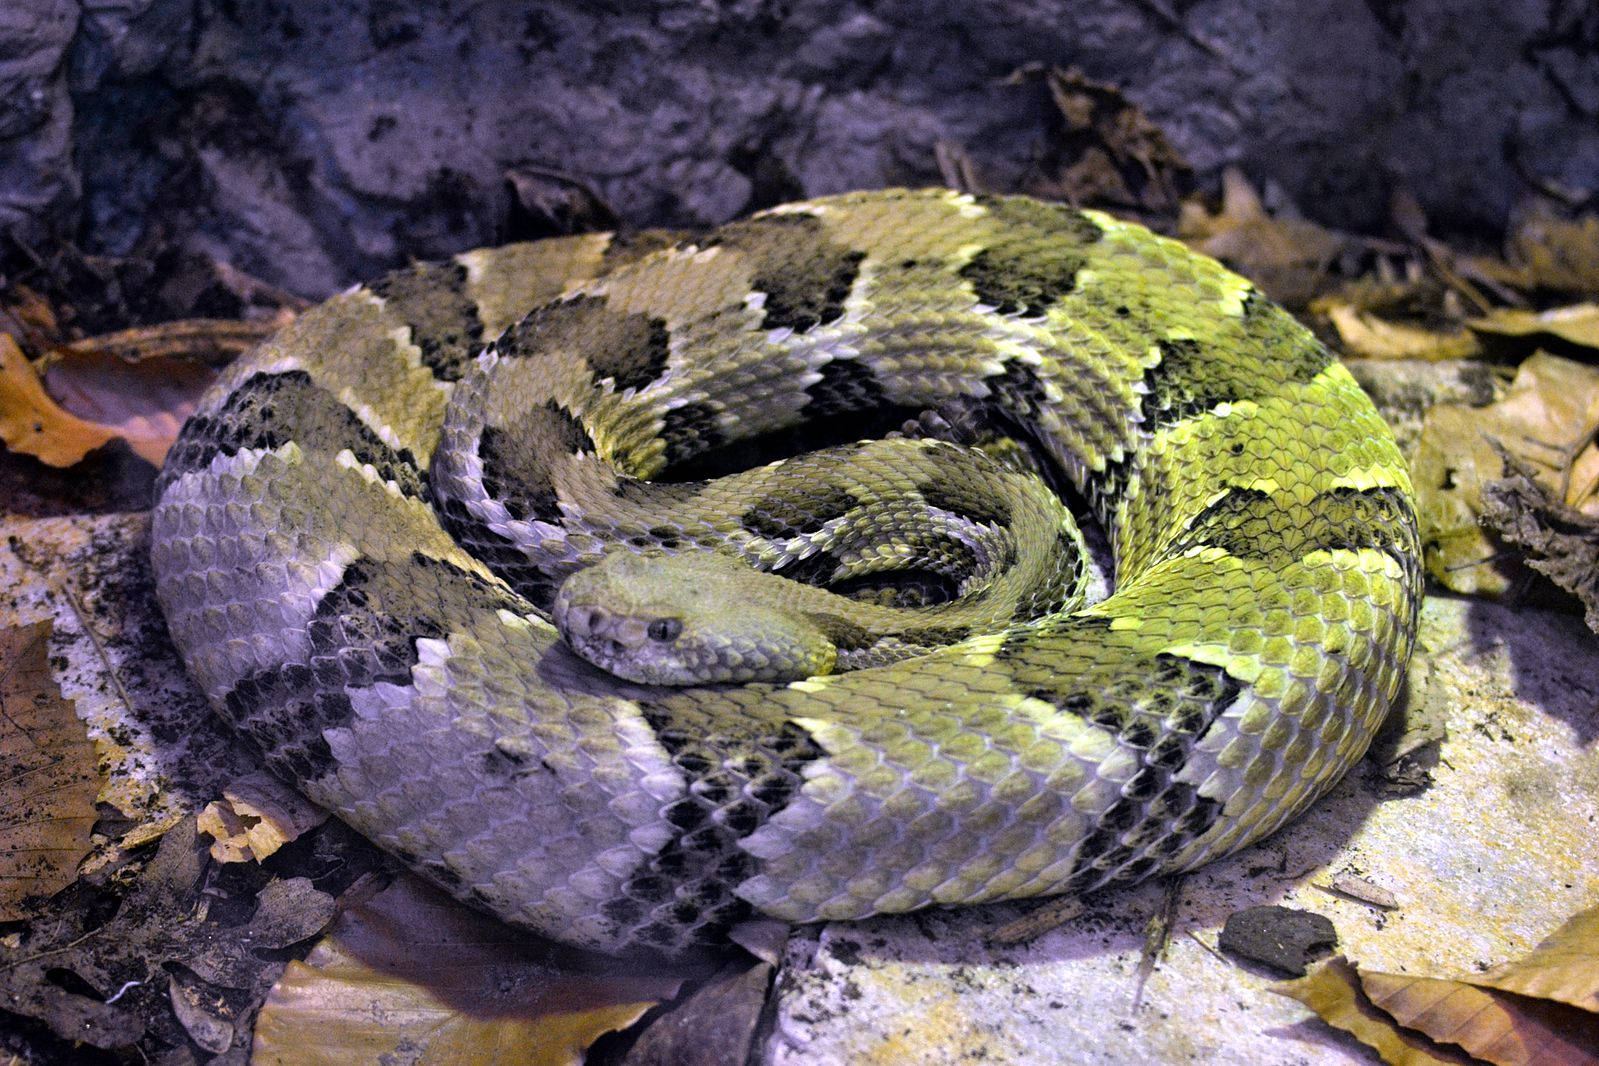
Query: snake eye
[(665, 630)]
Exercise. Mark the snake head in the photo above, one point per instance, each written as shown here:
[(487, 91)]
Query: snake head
[(692, 619)]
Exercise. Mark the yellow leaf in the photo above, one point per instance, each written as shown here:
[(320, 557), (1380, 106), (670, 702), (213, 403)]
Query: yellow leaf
[(1499, 1028), (1557, 253), (32, 423), (50, 780), (412, 976), (1333, 991), (257, 815)]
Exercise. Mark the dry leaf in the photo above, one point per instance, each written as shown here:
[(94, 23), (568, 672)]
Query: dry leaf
[(1564, 967), (1554, 253), (1576, 325), (413, 974), (1106, 150), (1358, 888), (713, 1025), (107, 983), (32, 423), (94, 398), (1289, 258), (1364, 334), (1542, 1008), (145, 402), (1547, 420), (211, 341), (1562, 544), (50, 780), (257, 815), (1496, 1027), (1333, 991)]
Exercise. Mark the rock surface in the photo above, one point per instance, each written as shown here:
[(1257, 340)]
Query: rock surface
[(314, 143)]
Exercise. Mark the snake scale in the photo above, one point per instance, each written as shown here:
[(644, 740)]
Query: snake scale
[(388, 645)]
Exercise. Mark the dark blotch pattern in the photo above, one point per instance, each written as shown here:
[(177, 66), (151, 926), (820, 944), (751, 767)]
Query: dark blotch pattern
[(737, 782), (498, 553), (516, 459), (629, 247), (1068, 575), (280, 710), (1041, 219), (1028, 265), (690, 430), (1017, 392), (269, 410), (844, 386), (843, 634), (1294, 350), (806, 278), (363, 632), (444, 322), (1158, 709), (935, 636), (818, 568), (799, 510), (627, 348), (1251, 524), (1190, 380), (967, 501), (1025, 287)]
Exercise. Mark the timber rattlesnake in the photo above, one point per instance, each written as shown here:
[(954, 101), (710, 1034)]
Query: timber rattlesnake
[(1266, 581)]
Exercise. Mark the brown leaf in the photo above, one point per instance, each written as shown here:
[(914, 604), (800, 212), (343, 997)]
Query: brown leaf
[(713, 1025), (1496, 1027), (1562, 544), (1358, 888), (167, 926), (1542, 1008), (411, 972), (1564, 967), (1289, 258), (1555, 253), (1547, 421), (145, 402), (550, 202), (50, 781), (94, 397), (1333, 991), (1106, 150), (211, 341)]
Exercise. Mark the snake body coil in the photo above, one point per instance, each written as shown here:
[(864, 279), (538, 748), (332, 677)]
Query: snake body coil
[(387, 644)]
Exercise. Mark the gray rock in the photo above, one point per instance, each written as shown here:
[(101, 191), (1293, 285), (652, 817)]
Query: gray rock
[(314, 143)]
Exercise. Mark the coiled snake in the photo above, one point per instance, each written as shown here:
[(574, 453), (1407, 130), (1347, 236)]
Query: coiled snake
[(378, 624)]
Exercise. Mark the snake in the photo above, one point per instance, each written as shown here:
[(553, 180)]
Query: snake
[(409, 547)]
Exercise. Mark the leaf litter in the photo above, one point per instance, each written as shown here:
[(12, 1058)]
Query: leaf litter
[(1542, 1008)]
